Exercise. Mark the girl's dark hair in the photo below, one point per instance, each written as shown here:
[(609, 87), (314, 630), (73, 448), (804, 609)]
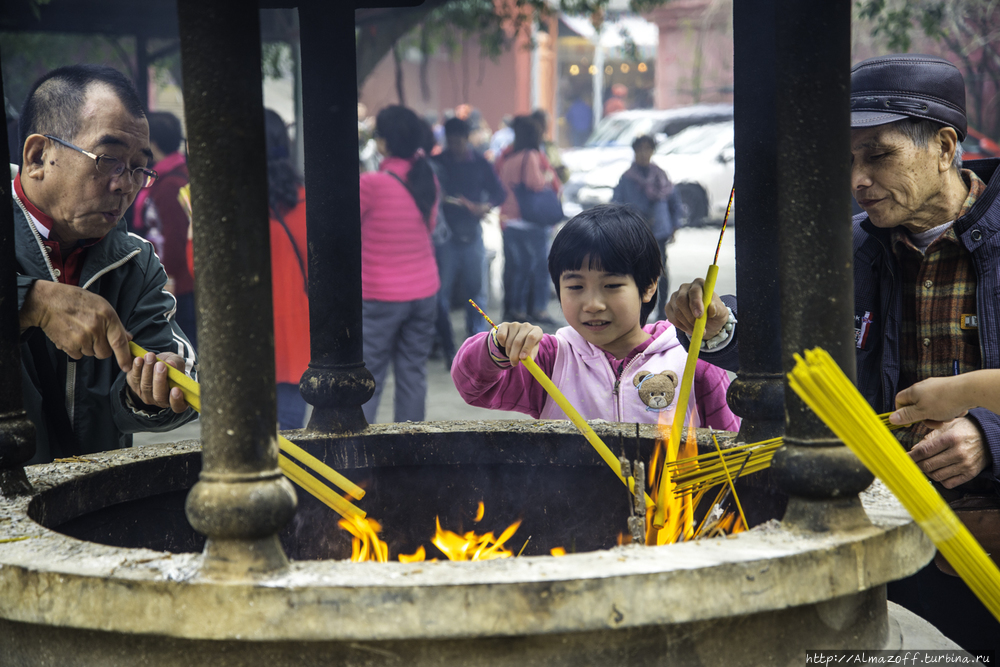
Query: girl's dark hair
[(527, 134), (612, 238), (282, 179), (404, 133)]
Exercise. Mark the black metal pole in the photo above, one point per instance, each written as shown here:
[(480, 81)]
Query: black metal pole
[(142, 69), (757, 394), (241, 499), (817, 293), (17, 433), (337, 383)]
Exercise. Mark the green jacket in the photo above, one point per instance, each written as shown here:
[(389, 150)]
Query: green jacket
[(80, 406)]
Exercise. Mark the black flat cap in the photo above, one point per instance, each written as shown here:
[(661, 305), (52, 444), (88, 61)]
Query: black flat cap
[(907, 85)]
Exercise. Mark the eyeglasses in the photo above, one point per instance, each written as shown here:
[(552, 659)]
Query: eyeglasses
[(113, 167)]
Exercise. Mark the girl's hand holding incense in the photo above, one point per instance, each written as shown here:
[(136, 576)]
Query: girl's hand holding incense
[(519, 339), (686, 305)]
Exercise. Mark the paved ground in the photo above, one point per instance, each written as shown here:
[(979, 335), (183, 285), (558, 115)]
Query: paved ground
[(688, 258)]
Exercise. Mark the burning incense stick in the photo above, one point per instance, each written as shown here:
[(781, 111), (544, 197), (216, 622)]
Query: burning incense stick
[(832, 396), (573, 415), (729, 478), (319, 490), (689, 368), (192, 394)]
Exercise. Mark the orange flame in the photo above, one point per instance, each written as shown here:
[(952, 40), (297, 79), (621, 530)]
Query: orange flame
[(678, 522), (365, 544), (471, 546), (480, 512), (557, 551), (418, 556)]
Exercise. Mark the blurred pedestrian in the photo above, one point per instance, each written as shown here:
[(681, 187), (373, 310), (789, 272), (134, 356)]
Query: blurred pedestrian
[(286, 199), (501, 139), (526, 245), (549, 147), (647, 188), (616, 102), (470, 189), (160, 218), (580, 118), (399, 276)]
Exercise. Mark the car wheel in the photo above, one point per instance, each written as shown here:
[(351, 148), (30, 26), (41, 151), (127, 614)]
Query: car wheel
[(694, 202)]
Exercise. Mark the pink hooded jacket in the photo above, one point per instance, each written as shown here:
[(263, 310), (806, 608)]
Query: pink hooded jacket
[(643, 390)]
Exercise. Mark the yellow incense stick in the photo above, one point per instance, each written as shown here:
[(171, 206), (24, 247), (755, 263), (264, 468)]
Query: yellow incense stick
[(321, 491), (832, 396), (192, 394), (573, 415), (685, 391), (692, 361), (729, 478), (289, 448)]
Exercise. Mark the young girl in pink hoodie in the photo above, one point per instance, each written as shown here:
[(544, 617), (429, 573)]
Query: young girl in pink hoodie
[(608, 362)]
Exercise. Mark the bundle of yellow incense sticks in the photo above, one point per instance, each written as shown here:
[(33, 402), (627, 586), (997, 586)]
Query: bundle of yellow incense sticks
[(706, 470), (823, 386), (689, 368), (192, 394), (573, 415)]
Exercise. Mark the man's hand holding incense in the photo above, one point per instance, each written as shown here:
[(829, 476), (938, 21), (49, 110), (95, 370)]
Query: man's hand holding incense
[(953, 453), (687, 304), (148, 383), (519, 339)]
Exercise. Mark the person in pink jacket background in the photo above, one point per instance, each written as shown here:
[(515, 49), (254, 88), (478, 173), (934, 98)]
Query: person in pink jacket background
[(608, 362), (399, 277)]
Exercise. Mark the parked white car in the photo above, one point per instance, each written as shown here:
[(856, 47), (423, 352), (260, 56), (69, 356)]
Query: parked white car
[(698, 160)]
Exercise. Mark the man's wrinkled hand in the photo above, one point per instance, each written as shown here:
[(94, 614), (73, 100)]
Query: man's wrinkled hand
[(953, 453), (148, 382), (687, 304), (78, 322)]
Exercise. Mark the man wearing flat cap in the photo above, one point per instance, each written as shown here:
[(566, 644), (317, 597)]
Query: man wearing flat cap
[(926, 291), (926, 259)]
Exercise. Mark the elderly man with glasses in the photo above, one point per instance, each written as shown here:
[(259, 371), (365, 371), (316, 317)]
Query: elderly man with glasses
[(85, 286)]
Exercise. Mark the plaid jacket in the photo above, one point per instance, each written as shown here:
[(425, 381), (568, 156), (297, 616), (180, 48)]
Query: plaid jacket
[(878, 304)]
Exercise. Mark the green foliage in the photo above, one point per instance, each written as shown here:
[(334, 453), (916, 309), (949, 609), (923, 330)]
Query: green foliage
[(895, 21), (28, 55), (276, 59), (968, 31), (496, 24)]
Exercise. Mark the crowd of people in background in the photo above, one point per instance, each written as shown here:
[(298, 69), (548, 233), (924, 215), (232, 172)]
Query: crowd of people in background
[(422, 213), (427, 188), (408, 255)]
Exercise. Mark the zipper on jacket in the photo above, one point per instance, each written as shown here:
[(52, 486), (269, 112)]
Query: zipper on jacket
[(618, 381), (70, 392), (38, 239), (71, 365)]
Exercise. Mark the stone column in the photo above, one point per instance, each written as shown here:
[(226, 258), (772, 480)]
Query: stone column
[(757, 394), (17, 433), (337, 383), (241, 499), (813, 66)]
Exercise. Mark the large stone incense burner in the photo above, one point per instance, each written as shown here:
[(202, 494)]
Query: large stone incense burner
[(196, 554), (110, 572)]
